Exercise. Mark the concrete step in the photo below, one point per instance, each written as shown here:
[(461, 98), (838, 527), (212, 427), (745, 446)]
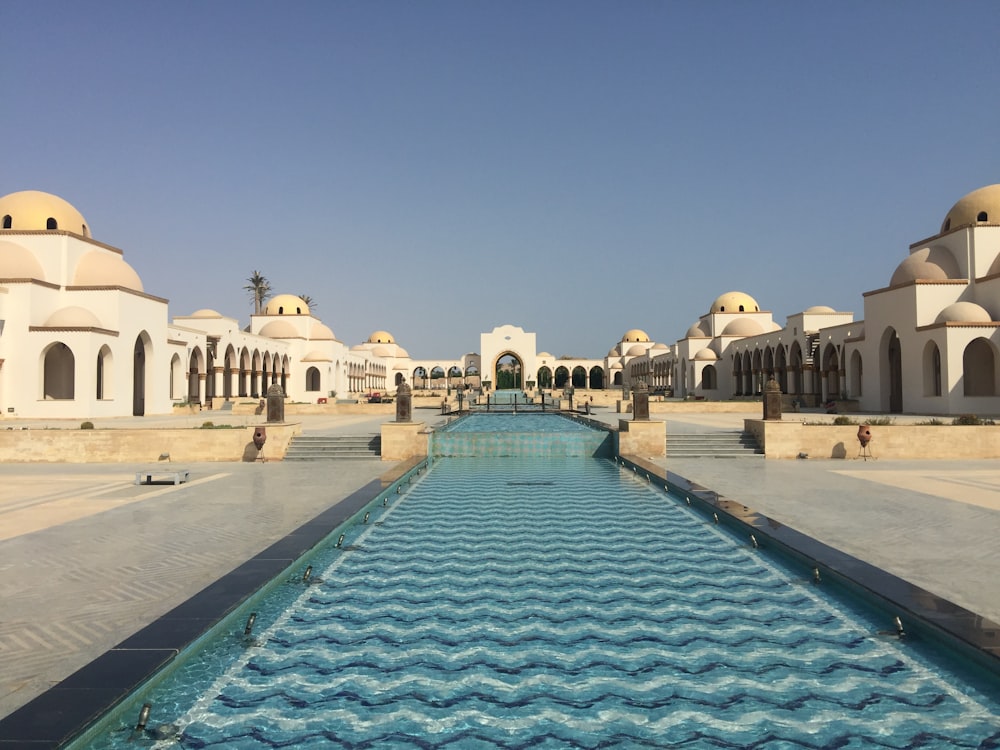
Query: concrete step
[(713, 445), (333, 447)]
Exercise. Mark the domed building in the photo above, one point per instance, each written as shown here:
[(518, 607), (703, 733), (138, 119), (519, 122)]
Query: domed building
[(79, 335)]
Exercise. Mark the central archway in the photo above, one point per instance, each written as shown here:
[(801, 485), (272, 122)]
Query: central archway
[(508, 374)]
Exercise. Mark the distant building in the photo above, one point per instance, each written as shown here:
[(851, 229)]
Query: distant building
[(80, 337)]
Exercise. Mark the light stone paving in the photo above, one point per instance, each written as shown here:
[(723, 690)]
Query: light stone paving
[(87, 558)]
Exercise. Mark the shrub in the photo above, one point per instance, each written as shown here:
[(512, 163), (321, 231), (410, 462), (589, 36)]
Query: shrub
[(931, 423), (841, 419), (882, 421), (207, 425), (86, 425), (966, 419)]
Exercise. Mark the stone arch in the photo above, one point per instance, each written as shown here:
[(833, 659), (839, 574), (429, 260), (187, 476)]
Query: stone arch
[(142, 373), (891, 371), (579, 377), (58, 372), (979, 371), (596, 379), (931, 361), (511, 366), (105, 375)]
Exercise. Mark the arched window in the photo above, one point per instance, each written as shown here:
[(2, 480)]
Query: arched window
[(312, 379), (982, 216), (7, 222), (709, 379), (105, 372), (51, 223), (947, 225), (281, 311), (742, 309)]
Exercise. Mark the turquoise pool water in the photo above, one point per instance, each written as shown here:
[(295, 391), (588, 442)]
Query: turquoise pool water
[(516, 423), (555, 603)]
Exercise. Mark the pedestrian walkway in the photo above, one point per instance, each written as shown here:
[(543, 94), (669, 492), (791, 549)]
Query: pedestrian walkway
[(87, 557)]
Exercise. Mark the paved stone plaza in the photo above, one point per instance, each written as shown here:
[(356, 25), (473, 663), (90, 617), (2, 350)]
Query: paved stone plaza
[(87, 557)]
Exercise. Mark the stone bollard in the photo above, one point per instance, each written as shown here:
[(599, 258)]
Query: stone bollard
[(640, 402), (275, 404), (772, 399), (404, 403)]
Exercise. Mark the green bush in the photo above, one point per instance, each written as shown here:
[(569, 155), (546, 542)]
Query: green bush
[(207, 425), (931, 423), (882, 421), (86, 425), (966, 419), (841, 419)]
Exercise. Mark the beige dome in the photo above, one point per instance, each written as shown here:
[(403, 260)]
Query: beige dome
[(979, 206), (660, 347), (775, 326), (635, 351), (321, 332), (18, 262), (206, 314), (286, 304), (963, 312), (706, 355), (926, 264), (382, 351), (635, 335), (742, 327), (544, 355), (279, 329), (734, 302), (616, 366), (381, 337), (104, 268), (33, 210), (614, 352), (401, 352), (73, 317), (696, 332), (818, 309), (317, 356)]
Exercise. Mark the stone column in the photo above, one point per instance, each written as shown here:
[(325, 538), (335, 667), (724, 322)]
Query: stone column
[(404, 403), (275, 404)]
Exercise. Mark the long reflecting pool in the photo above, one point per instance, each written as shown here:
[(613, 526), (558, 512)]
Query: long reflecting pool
[(554, 603)]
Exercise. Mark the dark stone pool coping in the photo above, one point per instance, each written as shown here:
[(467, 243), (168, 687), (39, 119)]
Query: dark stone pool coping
[(65, 711), (923, 614)]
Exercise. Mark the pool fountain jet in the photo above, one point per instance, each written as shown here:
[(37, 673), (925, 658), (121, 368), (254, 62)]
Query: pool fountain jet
[(143, 717), (365, 520), (250, 621), (341, 540), (715, 517), (308, 574), (816, 578), (753, 541)]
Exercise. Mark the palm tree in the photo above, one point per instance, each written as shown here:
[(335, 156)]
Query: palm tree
[(260, 289), (308, 300)]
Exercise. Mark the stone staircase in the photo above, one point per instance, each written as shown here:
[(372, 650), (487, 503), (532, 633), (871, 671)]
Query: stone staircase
[(713, 445), (333, 447)]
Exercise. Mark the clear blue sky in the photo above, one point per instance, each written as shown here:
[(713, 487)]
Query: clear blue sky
[(436, 169)]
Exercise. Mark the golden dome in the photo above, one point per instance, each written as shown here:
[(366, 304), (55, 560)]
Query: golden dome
[(978, 207), (33, 210), (286, 304), (381, 337), (734, 302), (635, 336)]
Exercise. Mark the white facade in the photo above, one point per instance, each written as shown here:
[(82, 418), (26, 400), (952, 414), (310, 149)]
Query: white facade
[(80, 337)]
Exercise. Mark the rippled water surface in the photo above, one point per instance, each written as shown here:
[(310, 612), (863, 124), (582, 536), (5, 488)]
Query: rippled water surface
[(562, 604)]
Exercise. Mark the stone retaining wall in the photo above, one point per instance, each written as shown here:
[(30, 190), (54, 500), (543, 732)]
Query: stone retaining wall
[(142, 446), (788, 439)]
